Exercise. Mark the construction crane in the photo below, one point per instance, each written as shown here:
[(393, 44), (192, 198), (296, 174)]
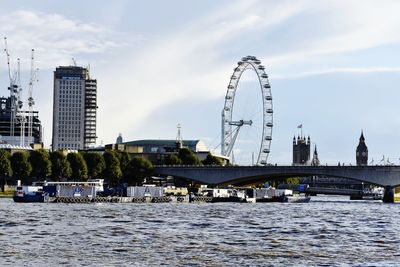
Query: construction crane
[(20, 116), (31, 102), (17, 115), (13, 92)]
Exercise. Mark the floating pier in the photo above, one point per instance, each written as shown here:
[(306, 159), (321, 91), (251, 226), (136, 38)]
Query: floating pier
[(115, 199)]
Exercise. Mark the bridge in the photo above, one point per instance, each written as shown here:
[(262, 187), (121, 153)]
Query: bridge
[(386, 176)]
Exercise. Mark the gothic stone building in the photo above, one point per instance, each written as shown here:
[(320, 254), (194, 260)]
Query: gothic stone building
[(362, 152), (301, 150)]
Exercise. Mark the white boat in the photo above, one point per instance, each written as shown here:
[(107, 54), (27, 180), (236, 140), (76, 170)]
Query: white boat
[(375, 193)]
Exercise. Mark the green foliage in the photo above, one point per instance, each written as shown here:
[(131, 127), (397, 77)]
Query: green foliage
[(21, 166), (112, 174), (274, 181), (188, 157), (212, 160), (78, 166), (5, 165), (293, 180), (172, 160), (60, 167), (138, 169), (41, 164), (95, 164), (124, 159)]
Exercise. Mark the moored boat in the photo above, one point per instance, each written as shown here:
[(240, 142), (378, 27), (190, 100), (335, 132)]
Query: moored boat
[(298, 199), (279, 195), (28, 194)]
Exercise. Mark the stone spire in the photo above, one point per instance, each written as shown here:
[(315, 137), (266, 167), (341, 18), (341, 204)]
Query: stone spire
[(315, 159)]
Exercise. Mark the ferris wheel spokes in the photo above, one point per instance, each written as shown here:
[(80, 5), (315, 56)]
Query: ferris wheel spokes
[(235, 133)]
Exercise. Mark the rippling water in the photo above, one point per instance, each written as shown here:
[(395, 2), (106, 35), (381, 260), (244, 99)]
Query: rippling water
[(325, 232)]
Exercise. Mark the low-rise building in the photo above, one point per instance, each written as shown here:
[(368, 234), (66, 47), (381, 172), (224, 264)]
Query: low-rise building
[(156, 150)]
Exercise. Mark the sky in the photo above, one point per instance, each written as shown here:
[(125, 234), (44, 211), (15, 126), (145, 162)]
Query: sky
[(333, 66)]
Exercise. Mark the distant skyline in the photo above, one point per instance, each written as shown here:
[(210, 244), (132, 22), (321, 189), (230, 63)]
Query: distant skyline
[(334, 66)]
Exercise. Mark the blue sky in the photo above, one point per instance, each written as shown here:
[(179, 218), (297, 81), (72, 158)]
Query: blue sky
[(333, 66)]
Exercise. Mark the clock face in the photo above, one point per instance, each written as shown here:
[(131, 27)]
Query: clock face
[(358, 154), (364, 154)]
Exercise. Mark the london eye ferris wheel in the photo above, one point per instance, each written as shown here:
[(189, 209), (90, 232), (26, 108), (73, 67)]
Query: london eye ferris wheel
[(247, 106)]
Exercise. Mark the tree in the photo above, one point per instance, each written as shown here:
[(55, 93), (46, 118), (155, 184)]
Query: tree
[(78, 166), (138, 169), (5, 166), (172, 160), (60, 167), (21, 166), (124, 159), (188, 157), (212, 160), (95, 164), (112, 173), (41, 164), (293, 180)]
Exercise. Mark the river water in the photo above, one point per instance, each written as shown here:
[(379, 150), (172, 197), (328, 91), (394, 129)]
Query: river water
[(328, 231)]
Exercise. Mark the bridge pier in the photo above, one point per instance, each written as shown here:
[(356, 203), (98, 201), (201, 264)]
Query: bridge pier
[(388, 196)]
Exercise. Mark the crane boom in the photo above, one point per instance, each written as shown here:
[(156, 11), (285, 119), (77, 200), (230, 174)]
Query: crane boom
[(8, 59), (31, 102), (13, 89)]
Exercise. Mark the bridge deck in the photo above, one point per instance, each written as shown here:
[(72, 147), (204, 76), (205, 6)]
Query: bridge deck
[(215, 175)]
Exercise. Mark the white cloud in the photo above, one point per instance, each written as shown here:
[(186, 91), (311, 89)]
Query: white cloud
[(349, 70), (351, 26), (55, 37)]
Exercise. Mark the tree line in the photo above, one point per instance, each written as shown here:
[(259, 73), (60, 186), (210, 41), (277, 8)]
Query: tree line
[(114, 167)]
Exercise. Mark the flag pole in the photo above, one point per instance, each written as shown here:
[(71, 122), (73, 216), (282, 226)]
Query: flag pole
[(301, 131)]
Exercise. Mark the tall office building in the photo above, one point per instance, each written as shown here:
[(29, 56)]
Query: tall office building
[(74, 108)]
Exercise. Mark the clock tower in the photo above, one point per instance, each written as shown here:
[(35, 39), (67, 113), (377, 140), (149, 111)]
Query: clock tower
[(362, 152)]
